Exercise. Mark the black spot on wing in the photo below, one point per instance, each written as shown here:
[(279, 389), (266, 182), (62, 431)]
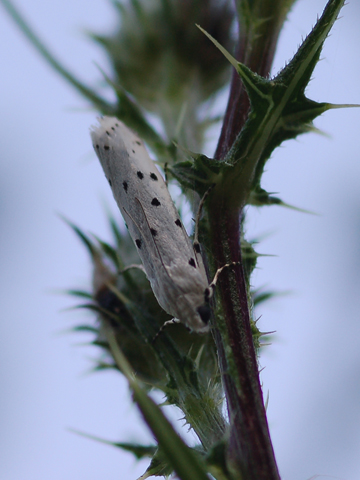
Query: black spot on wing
[(109, 182), (153, 176), (106, 147), (155, 202), (107, 133), (138, 243), (125, 185), (140, 175), (192, 262), (153, 232), (178, 223)]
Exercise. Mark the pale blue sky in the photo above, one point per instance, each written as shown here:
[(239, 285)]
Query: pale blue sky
[(312, 369)]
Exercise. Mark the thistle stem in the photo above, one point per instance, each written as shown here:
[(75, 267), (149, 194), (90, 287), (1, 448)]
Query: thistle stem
[(250, 449)]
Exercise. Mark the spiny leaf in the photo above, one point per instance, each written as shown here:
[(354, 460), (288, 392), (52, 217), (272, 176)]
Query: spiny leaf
[(110, 252), (260, 197), (159, 466), (85, 328), (260, 297), (139, 451), (78, 293), (279, 111), (198, 172), (93, 251), (118, 236), (185, 463)]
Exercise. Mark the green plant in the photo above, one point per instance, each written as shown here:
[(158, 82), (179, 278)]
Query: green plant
[(194, 372)]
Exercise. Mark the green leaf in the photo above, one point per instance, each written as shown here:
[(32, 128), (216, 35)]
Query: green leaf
[(93, 251), (159, 466), (78, 293), (139, 451), (111, 253), (118, 236), (198, 172), (262, 296), (184, 461), (259, 197), (279, 111), (84, 328)]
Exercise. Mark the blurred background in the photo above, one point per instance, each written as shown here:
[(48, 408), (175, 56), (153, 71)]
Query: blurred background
[(47, 166)]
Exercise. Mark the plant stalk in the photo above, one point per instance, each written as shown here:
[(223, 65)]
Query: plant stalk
[(256, 49), (250, 449)]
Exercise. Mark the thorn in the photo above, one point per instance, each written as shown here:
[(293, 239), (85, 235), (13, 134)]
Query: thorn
[(197, 221)]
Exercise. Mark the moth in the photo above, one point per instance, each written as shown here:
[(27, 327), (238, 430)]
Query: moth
[(173, 266)]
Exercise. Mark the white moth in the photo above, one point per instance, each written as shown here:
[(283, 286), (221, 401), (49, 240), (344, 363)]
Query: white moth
[(174, 268)]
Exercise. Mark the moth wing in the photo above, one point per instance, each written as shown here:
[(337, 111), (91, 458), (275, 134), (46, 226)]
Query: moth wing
[(176, 272)]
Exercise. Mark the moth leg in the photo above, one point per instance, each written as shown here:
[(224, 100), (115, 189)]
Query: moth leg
[(196, 243), (173, 321), (212, 285), (166, 173), (134, 265)]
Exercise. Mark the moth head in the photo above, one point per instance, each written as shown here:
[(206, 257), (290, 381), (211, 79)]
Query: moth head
[(204, 312)]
